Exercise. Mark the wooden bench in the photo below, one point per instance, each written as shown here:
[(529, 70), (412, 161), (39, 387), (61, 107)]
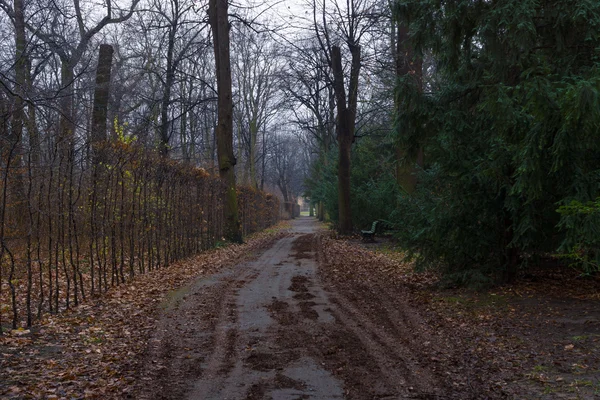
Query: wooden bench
[(370, 235)]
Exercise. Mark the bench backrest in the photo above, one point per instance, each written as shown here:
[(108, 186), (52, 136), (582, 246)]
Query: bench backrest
[(374, 226)]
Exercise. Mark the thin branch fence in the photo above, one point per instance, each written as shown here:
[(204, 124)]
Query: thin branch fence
[(74, 224)]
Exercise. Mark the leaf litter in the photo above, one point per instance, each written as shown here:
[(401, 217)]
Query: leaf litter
[(539, 338), (94, 351)]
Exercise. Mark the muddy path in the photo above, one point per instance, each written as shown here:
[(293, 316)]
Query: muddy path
[(279, 328)]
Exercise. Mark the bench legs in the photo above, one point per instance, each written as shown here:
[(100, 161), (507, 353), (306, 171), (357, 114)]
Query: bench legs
[(368, 236)]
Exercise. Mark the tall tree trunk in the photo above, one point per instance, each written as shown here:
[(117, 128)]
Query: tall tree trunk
[(101, 96), (407, 64), (18, 113), (345, 128), (99, 135), (240, 148), (66, 124), (253, 140), (263, 161), (166, 100), (20, 71), (32, 129), (218, 18)]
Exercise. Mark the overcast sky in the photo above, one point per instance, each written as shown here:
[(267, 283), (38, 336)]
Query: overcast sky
[(286, 15)]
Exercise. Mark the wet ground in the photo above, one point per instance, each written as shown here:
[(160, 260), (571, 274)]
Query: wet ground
[(307, 315), (273, 329)]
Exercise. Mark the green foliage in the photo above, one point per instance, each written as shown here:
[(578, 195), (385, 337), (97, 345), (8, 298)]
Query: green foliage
[(120, 131), (321, 185), (374, 189), (509, 120), (581, 222)]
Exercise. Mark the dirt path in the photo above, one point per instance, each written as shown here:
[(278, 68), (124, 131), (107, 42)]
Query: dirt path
[(277, 328)]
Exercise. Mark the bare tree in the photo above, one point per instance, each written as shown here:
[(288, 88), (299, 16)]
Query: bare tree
[(257, 63), (219, 21), (313, 102), (71, 51), (336, 23), (182, 33), (286, 168)]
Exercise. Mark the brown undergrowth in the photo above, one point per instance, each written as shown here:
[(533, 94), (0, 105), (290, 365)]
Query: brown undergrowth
[(93, 351)]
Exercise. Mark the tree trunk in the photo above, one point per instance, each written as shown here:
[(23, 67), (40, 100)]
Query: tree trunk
[(263, 161), (345, 210), (66, 124), (217, 12), (32, 130), (345, 127), (407, 64), (166, 100), (99, 130), (20, 76), (321, 211), (101, 96), (253, 141), (17, 113)]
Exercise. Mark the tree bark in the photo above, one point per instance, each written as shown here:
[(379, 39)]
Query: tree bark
[(18, 113), (218, 18), (20, 76), (101, 96), (166, 100), (66, 124), (407, 64), (345, 127)]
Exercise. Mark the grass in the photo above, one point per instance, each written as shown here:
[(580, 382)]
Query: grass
[(580, 338), (540, 368)]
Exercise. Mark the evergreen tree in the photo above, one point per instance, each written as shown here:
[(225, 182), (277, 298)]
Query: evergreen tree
[(509, 118)]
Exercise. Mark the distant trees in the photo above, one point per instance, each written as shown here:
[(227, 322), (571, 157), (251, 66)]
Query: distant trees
[(338, 27), (285, 166), (312, 104), (257, 68)]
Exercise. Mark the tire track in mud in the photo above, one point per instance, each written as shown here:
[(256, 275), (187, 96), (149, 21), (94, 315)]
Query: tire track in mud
[(227, 373), (372, 363), (176, 353), (202, 316), (278, 328), (391, 355), (382, 311)]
